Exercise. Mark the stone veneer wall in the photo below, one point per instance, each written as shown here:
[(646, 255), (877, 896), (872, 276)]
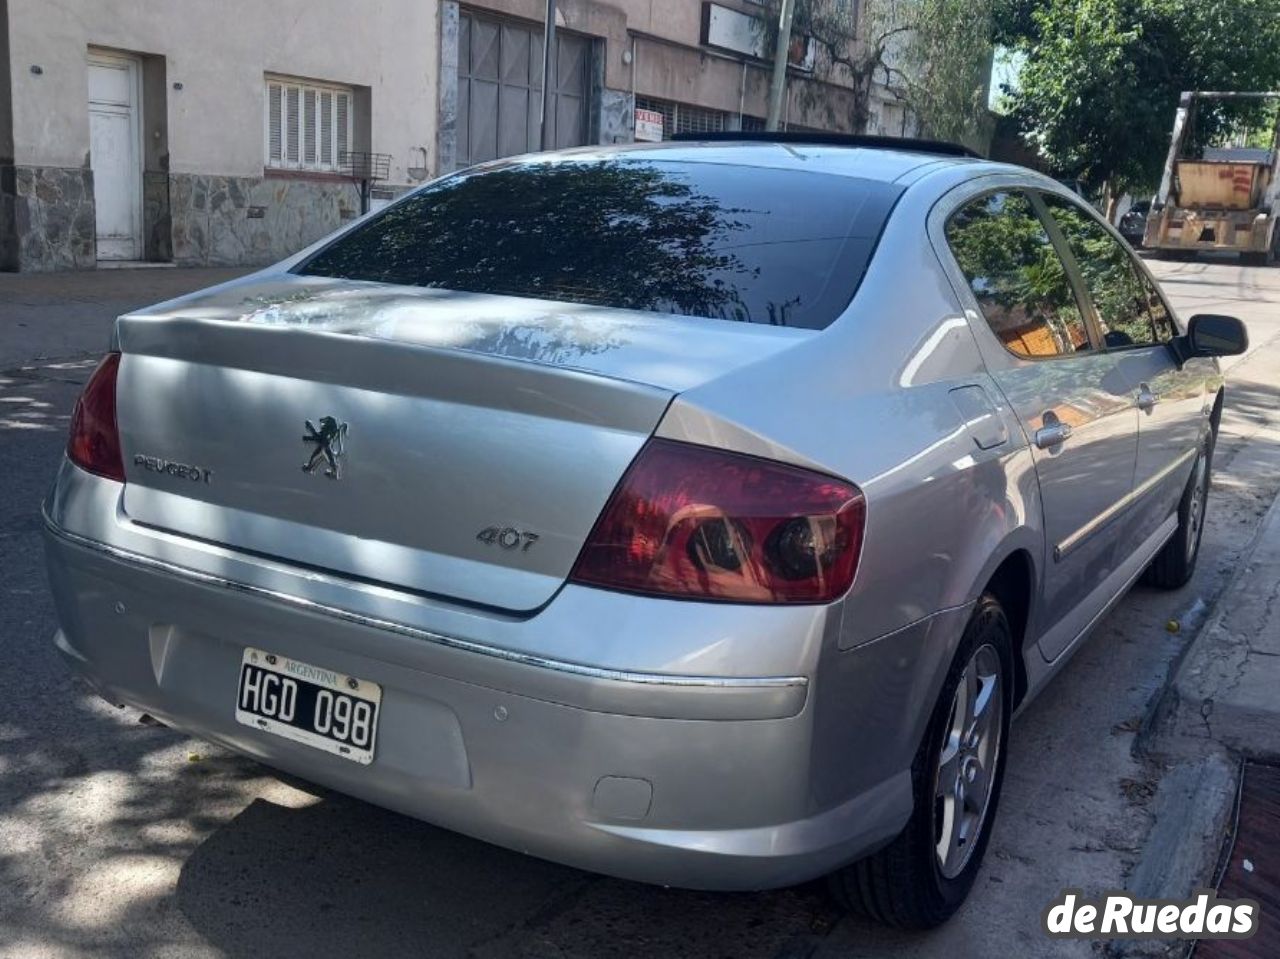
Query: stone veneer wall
[(46, 218), (8, 235), (157, 224), (235, 221)]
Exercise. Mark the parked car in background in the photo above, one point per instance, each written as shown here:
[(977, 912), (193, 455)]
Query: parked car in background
[(697, 513), (1133, 224)]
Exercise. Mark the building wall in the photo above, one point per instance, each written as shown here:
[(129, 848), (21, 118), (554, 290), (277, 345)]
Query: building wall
[(652, 49), (207, 195), (6, 112)]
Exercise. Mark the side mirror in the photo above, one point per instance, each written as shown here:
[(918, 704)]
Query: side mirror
[(1211, 334)]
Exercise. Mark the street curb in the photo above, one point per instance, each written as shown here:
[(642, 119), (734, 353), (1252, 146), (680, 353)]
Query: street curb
[(1194, 802), (1194, 808), (1194, 813), (1193, 711)]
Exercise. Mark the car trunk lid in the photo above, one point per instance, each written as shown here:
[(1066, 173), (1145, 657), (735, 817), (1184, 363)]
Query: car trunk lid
[(476, 438)]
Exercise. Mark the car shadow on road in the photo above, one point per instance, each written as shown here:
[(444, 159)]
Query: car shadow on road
[(340, 877)]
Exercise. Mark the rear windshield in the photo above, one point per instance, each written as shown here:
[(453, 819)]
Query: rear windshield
[(784, 247)]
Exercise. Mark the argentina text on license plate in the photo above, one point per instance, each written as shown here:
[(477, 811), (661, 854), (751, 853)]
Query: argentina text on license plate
[(309, 704)]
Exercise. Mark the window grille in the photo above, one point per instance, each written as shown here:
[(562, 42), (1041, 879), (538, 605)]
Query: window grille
[(683, 117)]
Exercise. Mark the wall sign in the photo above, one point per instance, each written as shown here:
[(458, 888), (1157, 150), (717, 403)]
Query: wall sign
[(648, 126), (741, 33)]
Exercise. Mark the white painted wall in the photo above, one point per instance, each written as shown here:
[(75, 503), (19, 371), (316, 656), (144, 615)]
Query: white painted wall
[(219, 50)]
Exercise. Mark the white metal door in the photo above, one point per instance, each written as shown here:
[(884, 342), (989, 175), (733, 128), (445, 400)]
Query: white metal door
[(115, 145)]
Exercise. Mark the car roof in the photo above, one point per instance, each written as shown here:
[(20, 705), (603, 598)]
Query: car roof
[(880, 163)]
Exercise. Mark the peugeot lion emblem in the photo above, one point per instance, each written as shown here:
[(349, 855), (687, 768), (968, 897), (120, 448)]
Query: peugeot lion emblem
[(330, 446)]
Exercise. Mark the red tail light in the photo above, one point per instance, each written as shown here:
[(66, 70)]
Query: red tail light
[(95, 442), (701, 523)]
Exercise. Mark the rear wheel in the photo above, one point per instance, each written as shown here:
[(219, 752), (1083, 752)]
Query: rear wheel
[(921, 878), (1176, 561)]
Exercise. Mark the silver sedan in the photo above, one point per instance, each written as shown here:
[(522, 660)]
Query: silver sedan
[(698, 513)]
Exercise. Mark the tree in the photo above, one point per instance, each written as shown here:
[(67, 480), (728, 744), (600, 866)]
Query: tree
[(947, 66), (933, 55), (1101, 78)]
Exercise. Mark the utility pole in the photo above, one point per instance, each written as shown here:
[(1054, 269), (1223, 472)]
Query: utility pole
[(778, 85), (548, 73)]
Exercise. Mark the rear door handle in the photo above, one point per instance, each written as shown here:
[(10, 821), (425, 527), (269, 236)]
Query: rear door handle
[(1146, 399), (1053, 432)]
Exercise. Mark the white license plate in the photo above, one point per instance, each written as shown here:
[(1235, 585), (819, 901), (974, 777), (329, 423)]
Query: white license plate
[(309, 704)]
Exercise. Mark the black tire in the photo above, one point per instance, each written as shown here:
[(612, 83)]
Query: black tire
[(904, 885), (1175, 564), (1254, 259)]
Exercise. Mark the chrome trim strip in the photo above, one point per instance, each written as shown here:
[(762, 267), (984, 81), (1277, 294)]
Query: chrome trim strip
[(483, 649), (1084, 532)]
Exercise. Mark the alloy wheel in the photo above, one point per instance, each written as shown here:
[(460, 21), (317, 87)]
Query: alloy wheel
[(1195, 510), (968, 760)]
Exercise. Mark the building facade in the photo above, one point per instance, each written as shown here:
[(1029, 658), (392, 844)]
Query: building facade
[(172, 131), (194, 133)]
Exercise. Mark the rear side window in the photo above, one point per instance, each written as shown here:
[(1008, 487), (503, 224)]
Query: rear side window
[(783, 247), (1017, 276), (1130, 312), (1161, 317)]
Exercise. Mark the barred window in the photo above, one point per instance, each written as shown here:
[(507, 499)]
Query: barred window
[(684, 118), (306, 126), (699, 119)]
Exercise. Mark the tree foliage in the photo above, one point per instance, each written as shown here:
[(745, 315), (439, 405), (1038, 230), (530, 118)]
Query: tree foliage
[(947, 64), (932, 55), (1101, 79)]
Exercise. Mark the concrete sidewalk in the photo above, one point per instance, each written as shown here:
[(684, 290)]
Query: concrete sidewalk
[(1228, 688), (59, 315), (1222, 704)]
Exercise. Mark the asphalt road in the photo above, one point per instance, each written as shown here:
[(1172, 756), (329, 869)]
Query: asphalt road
[(119, 838)]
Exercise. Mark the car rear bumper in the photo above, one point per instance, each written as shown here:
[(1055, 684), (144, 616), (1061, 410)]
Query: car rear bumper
[(695, 781)]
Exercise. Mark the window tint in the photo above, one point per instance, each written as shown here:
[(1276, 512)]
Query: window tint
[(740, 243), (1120, 292), (1017, 276)]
